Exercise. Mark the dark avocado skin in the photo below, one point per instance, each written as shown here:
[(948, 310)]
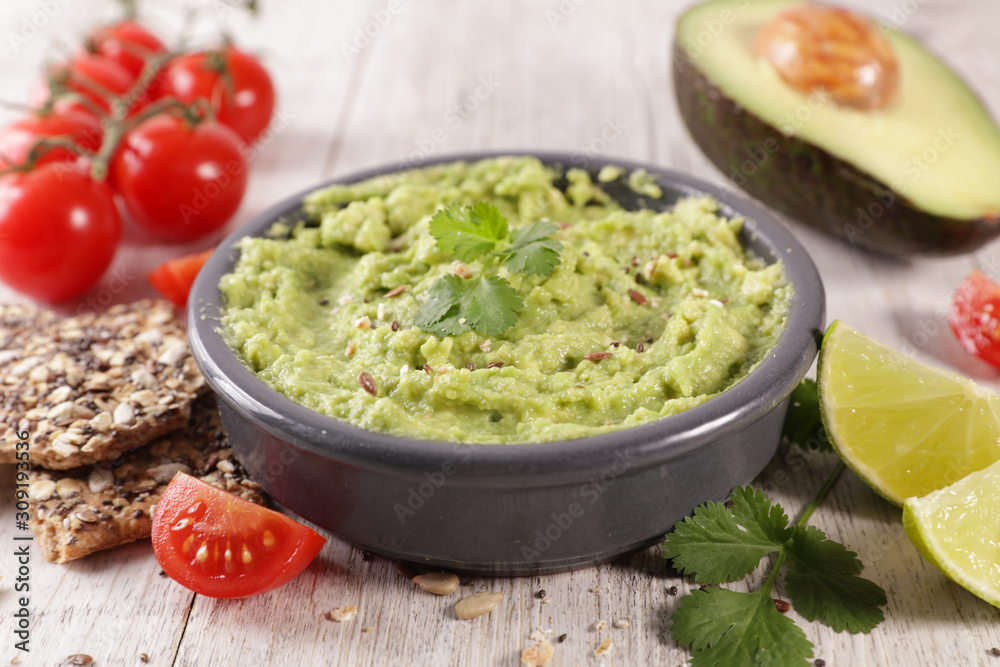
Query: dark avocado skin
[(809, 184)]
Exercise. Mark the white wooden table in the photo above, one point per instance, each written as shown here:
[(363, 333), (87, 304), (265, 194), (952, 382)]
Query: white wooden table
[(436, 77)]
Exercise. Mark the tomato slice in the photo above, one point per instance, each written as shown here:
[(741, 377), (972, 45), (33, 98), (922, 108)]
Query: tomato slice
[(221, 546), (975, 317), (173, 278)]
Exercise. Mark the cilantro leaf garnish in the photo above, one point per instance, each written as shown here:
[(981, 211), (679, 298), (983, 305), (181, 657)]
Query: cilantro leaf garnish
[(720, 544), (486, 303), (468, 232), (532, 251), (823, 582), (725, 628)]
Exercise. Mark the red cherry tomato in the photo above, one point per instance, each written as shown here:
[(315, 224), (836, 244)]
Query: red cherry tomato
[(17, 139), (97, 78), (233, 82), (975, 317), (128, 43), (180, 182), (59, 228), (219, 545), (174, 278)]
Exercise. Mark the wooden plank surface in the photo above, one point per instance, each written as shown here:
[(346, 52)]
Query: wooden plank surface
[(589, 77)]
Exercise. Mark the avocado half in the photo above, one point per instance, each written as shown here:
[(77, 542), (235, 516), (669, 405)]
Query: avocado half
[(921, 175)]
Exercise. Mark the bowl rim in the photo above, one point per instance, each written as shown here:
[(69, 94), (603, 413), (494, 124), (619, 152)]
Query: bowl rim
[(534, 464)]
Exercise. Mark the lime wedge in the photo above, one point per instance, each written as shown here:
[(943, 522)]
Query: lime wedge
[(903, 427), (958, 530)]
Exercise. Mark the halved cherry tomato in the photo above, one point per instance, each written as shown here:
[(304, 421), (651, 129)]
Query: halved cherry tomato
[(180, 182), (173, 278), (233, 82), (58, 230), (975, 317), (222, 546), (128, 43), (17, 139)]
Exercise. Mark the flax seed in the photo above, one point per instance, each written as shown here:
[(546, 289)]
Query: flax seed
[(367, 383)]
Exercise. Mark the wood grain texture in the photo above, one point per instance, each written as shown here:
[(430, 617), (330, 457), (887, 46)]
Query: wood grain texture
[(589, 77)]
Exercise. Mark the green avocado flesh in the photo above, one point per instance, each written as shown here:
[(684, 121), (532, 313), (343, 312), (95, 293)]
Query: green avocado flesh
[(932, 156), (649, 312)]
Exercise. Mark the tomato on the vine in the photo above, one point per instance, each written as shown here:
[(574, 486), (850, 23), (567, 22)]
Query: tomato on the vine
[(233, 82), (18, 138), (174, 278), (180, 181), (219, 545), (60, 229), (975, 317), (97, 78), (128, 43)]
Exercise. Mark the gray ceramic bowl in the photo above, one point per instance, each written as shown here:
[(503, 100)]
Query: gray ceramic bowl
[(516, 509)]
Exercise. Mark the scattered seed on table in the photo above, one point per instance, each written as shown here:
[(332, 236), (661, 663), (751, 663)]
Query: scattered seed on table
[(477, 605), (80, 659), (366, 556), (541, 594), (144, 657), (562, 637), (782, 606), (820, 662), (439, 583), (672, 590), (995, 651), (367, 383)]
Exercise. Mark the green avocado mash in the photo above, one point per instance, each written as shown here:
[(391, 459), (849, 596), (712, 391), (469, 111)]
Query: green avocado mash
[(648, 313)]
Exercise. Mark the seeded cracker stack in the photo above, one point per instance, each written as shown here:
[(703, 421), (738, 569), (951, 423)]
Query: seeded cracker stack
[(114, 406)]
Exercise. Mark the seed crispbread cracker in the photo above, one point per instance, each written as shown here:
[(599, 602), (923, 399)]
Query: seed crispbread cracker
[(92, 387), (77, 512)]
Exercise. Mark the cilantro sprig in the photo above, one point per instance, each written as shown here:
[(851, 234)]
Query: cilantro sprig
[(487, 302), (721, 544)]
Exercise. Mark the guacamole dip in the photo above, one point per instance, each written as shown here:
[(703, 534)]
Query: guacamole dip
[(647, 314)]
